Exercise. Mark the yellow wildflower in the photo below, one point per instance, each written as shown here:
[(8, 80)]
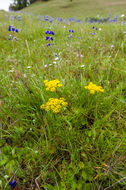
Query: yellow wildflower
[(54, 104), (52, 85), (94, 88)]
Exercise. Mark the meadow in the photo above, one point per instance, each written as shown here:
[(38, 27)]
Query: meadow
[(62, 103), (77, 8)]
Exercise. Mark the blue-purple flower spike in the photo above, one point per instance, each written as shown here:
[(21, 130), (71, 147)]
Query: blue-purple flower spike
[(48, 45), (9, 29), (13, 29), (51, 38), (47, 32), (12, 184), (53, 33), (47, 38)]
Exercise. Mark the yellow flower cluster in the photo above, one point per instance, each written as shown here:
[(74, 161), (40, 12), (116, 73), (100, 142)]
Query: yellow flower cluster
[(54, 104), (52, 85), (94, 88)]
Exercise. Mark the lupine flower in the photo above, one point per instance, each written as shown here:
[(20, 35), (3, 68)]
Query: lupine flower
[(94, 28), (51, 20), (12, 38), (19, 18), (47, 32), (70, 33), (9, 29), (13, 29), (39, 18), (61, 20), (52, 33), (6, 16), (48, 45), (46, 18), (11, 18), (49, 38), (12, 184)]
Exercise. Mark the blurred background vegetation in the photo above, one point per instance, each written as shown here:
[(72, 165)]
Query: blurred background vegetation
[(70, 8)]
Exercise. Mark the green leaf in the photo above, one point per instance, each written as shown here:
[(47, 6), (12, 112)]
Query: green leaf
[(84, 175)]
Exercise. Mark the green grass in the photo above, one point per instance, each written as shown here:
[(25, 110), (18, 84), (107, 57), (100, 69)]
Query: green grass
[(77, 8), (82, 147)]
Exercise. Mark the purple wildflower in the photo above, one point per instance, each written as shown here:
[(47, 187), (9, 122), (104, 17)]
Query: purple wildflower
[(9, 29), (47, 38), (51, 38), (47, 32), (48, 45), (13, 29), (12, 184)]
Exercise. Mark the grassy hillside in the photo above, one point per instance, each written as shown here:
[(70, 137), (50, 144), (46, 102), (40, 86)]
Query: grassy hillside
[(77, 8), (83, 146)]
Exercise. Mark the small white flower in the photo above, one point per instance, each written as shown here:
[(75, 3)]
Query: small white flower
[(54, 62), (112, 46), (100, 29), (11, 71), (56, 58), (29, 67), (6, 176), (122, 15), (36, 151), (82, 66), (50, 64), (64, 26)]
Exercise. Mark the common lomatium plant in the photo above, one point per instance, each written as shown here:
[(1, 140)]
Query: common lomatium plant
[(54, 104), (94, 88), (52, 85)]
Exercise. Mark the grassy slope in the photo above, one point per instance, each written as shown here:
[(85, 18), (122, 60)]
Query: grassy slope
[(83, 147), (77, 8)]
